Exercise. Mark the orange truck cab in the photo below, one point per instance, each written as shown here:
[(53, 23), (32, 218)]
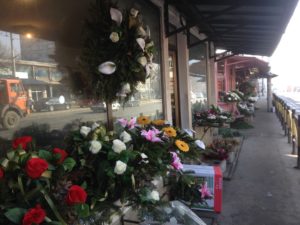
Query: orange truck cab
[(13, 102)]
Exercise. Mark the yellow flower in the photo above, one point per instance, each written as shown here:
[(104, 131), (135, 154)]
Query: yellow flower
[(182, 146), (143, 120), (170, 131), (158, 122)]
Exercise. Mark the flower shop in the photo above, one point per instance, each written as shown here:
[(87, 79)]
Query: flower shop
[(153, 151)]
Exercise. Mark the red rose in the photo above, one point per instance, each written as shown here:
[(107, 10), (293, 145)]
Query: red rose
[(21, 141), (1, 173), (63, 154), (76, 195), (35, 167), (34, 216)]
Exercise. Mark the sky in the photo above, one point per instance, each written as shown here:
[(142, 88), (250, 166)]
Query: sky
[(285, 59)]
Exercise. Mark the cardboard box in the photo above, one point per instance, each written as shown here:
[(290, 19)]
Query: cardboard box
[(210, 181)]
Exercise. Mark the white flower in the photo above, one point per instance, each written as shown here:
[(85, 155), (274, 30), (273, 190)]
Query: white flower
[(154, 195), (144, 156), (95, 126), (200, 144), (141, 42), (120, 167), (95, 146), (133, 12), (125, 137), (116, 15), (126, 88), (141, 32), (142, 60), (84, 130), (107, 68), (229, 98), (114, 37), (118, 146), (223, 117), (211, 117)]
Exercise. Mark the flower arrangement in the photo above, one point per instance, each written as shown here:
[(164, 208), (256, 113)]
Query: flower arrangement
[(97, 168), (212, 117), (117, 52), (231, 96), (244, 109)]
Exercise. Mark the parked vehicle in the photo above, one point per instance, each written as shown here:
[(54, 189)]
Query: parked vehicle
[(101, 107), (52, 104), (13, 102)]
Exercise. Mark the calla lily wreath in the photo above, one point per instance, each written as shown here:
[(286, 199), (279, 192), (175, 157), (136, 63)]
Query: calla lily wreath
[(117, 52)]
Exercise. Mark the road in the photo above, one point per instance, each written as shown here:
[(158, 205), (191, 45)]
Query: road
[(58, 119)]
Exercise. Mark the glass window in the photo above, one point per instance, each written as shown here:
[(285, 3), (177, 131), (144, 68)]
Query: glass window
[(148, 100), (198, 73), (24, 71), (56, 75), (41, 73)]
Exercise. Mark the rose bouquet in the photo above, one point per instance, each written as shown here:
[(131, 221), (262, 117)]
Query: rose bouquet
[(96, 170)]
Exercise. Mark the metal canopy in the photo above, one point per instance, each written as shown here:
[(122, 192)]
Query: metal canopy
[(240, 26)]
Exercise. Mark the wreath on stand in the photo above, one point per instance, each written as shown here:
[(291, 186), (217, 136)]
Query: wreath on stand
[(117, 52)]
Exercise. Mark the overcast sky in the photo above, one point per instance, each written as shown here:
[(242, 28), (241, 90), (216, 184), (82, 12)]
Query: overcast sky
[(286, 60)]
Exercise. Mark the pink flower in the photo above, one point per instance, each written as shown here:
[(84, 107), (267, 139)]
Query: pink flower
[(151, 135), (176, 161), (125, 123), (205, 192)]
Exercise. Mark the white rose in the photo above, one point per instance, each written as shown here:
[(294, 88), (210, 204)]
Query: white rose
[(120, 167), (114, 37), (134, 12), (84, 131), (118, 146), (200, 144), (95, 125), (144, 156), (95, 147), (154, 195), (142, 60), (125, 137)]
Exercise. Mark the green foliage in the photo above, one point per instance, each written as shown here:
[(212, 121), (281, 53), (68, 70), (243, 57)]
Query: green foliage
[(15, 215)]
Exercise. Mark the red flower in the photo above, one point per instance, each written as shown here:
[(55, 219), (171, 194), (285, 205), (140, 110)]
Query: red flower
[(76, 195), (35, 167), (1, 173), (34, 216), (21, 141), (63, 154)]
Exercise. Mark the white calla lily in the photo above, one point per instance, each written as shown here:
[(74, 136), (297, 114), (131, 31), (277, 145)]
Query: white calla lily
[(116, 15), (141, 43), (200, 144), (107, 68)]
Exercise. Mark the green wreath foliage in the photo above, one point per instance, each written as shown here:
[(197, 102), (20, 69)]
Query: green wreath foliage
[(114, 37)]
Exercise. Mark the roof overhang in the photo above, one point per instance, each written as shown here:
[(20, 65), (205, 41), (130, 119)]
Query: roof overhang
[(240, 26)]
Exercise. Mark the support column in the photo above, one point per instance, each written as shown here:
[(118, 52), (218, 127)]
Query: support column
[(269, 95)]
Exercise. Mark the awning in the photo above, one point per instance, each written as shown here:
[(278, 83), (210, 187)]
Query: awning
[(241, 26)]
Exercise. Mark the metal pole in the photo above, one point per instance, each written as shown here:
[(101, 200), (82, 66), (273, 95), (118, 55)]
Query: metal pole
[(13, 60)]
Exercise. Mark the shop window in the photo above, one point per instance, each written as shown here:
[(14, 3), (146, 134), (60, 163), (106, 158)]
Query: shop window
[(41, 73), (148, 99), (198, 74)]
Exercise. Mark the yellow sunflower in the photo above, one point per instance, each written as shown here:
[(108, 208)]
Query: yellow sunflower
[(158, 122), (143, 120), (182, 146), (170, 131)]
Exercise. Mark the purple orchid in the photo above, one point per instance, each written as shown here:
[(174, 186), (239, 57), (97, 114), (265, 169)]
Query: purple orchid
[(150, 135), (205, 192), (125, 123), (177, 165)]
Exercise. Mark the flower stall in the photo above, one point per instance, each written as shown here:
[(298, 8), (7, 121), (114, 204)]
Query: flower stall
[(96, 170)]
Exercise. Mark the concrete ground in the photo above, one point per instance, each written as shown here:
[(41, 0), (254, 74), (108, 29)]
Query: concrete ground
[(265, 188)]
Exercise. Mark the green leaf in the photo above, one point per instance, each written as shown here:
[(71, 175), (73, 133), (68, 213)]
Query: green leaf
[(45, 155), (84, 185), (69, 163), (10, 155), (82, 162), (15, 214), (82, 210)]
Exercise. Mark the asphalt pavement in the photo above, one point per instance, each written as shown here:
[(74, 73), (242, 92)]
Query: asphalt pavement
[(265, 188)]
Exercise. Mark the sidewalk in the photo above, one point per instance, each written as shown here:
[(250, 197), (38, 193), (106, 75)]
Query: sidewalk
[(265, 188)]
